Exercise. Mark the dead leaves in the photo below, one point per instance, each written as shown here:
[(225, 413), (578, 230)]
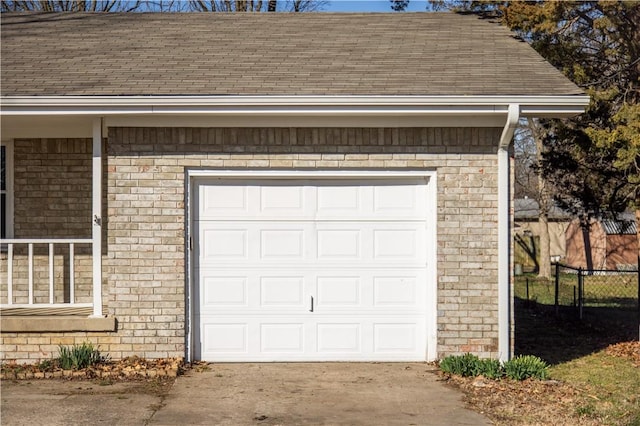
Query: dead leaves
[(527, 402), (536, 402), (628, 350), (130, 368)]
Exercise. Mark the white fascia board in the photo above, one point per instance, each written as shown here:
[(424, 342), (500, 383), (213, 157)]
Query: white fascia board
[(307, 173), (557, 106)]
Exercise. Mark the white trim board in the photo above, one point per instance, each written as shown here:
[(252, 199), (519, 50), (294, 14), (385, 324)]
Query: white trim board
[(9, 191), (430, 175), (540, 106)]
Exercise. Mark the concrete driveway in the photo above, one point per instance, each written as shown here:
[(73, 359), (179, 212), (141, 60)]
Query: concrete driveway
[(250, 394)]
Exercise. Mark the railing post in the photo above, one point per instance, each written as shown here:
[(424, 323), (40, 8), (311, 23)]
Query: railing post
[(10, 274), (51, 273), (96, 217), (580, 292), (557, 289), (72, 275), (31, 273)]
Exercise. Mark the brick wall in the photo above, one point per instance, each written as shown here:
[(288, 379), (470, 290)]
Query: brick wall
[(52, 193), (145, 219), (52, 178)]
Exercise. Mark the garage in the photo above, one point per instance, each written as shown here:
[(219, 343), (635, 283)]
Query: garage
[(332, 269)]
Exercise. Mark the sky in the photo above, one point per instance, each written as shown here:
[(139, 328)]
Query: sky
[(370, 6)]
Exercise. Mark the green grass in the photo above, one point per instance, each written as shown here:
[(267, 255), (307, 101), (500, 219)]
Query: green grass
[(610, 387), (611, 291)]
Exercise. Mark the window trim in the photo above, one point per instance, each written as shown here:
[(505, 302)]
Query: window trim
[(9, 173)]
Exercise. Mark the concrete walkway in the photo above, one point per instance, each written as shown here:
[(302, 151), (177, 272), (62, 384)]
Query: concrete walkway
[(248, 394)]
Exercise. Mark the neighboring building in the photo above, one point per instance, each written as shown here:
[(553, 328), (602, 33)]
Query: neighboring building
[(527, 230), (262, 187), (607, 244)]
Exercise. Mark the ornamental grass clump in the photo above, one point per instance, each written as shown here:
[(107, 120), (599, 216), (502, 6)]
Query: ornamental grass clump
[(467, 365), (526, 366), (78, 357), (491, 368), (519, 368)]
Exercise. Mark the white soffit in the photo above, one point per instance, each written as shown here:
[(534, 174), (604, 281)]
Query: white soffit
[(46, 126)]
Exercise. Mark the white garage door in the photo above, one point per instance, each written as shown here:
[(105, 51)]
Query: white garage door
[(314, 269)]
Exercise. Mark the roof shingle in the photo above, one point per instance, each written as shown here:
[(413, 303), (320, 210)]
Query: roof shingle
[(426, 54)]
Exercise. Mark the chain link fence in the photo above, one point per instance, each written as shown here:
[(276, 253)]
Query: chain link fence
[(602, 294), (598, 288)]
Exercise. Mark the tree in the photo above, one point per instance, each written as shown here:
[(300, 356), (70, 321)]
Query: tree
[(545, 200), (161, 5), (399, 5), (593, 160), (529, 183), (255, 5), (69, 6)]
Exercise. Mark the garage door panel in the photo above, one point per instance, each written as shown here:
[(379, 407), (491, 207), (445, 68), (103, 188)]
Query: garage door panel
[(339, 201), (339, 243), (339, 337), (395, 291), (399, 200), (282, 291), (282, 244), (299, 338), (392, 242), (224, 338), (223, 200), (344, 289), (285, 200), (339, 291), (282, 337), (364, 243), (221, 291), (395, 337), (224, 243), (329, 199)]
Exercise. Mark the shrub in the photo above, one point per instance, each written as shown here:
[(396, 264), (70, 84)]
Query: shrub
[(79, 356), (526, 366), (463, 365)]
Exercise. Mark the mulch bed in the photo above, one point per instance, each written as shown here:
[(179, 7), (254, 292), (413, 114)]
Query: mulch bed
[(534, 402), (530, 402), (131, 368)]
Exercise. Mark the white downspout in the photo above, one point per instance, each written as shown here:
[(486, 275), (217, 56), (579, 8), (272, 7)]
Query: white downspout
[(96, 217), (504, 234)]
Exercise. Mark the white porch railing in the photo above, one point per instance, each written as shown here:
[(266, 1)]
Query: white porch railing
[(31, 281)]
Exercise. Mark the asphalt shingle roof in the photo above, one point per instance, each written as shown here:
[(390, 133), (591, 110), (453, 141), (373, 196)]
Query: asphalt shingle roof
[(528, 209), (269, 54)]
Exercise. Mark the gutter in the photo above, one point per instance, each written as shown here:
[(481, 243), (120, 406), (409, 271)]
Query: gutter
[(504, 234), (538, 106)]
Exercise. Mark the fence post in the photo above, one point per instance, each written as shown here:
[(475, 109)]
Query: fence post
[(580, 292), (556, 299)]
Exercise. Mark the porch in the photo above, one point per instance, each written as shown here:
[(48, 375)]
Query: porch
[(50, 253)]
